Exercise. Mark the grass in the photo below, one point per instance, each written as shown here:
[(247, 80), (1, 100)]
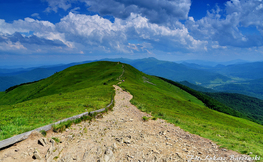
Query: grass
[(56, 140), (145, 118), (44, 133), (171, 103), (64, 125), (73, 91), (81, 88)]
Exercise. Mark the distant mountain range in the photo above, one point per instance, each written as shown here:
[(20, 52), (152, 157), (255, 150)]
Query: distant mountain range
[(239, 77), (174, 71), (11, 77), (211, 63)]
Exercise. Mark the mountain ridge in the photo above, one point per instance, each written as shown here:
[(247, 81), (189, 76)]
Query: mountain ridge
[(64, 91)]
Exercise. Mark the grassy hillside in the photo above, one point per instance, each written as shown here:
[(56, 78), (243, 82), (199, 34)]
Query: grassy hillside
[(72, 79), (169, 102), (89, 86), (12, 77), (73, 91), (8, 81), (251, 106), (27, 76)]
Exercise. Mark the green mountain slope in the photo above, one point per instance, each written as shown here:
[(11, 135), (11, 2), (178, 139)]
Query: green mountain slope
[(8, 81), (89, 86), (73, 91), (72, 79), (12, 77), (170, 102), (250, 106)]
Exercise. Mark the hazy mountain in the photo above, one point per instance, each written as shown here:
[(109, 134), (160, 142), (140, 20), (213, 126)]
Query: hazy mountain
[(173, 71), (197, 87), (212, 63), (11, 77), (253, 88)]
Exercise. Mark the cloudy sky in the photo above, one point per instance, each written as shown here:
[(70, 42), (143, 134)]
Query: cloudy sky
[(60, 31)]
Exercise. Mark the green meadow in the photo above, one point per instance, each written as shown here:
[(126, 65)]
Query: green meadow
[(169, 102), (89, 87), (73, 91)]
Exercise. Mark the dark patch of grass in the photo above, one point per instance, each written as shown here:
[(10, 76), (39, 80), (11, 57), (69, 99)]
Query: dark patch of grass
[(43, 132), (56, 139), (78, 120), (86, 118), (63, 125), (145, 118)]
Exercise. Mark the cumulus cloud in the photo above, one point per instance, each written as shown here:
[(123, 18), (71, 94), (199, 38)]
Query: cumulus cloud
[(26, 25), (44, 35), (249, 13), (156, 11), (95, 31), (54, 5), (80, 32), (226, 29), (11, 46), (17, 37)]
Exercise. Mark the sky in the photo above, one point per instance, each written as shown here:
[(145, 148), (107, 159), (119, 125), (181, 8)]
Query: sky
[(43, 32)]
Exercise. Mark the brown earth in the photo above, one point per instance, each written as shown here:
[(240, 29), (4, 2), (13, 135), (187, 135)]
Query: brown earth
[(121, 135)]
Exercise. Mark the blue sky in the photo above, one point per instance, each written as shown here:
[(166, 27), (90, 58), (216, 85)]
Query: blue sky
[(37, 32)]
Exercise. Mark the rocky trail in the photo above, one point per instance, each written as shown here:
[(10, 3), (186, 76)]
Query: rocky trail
[(121, 135)]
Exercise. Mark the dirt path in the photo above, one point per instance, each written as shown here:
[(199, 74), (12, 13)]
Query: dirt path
[(121, 135)]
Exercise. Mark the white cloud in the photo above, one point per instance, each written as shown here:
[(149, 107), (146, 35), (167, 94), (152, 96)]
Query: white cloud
[(75, 10), (157, 11), (226, 30), (10, 46), (95, 30), (44, 34), (36, 15), (54, 5)]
